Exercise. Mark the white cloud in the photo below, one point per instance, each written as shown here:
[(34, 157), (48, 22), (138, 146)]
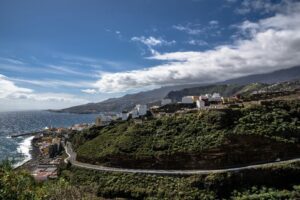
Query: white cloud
[(190, 29), (89, 91), (8, 88), (265, 6), (214, 23), (68, 71), (197, 42), (152, 41), (197, 29), (13, 97), (231, 1), (12, 61), (273, 43), (50, 83)]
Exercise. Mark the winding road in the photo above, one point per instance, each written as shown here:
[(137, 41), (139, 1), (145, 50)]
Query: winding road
[(72, 159)]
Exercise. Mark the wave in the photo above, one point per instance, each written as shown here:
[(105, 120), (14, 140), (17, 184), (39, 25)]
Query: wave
[(24, 148)]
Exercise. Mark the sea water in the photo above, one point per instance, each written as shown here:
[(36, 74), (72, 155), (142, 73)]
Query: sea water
[(18, 149)]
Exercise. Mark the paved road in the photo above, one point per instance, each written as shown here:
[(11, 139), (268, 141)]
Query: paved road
[(72, 159)]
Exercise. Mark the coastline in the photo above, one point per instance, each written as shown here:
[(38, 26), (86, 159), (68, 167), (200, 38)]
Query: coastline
[(33, 157), (24, 148)]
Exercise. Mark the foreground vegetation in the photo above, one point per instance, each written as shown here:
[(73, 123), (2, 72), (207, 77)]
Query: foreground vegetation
[(218, 138), (241, 135), (281, 182)]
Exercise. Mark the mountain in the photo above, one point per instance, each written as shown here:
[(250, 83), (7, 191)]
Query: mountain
[(152, 97), (227, 90), (126, 102), (224, 90), (273, 77)]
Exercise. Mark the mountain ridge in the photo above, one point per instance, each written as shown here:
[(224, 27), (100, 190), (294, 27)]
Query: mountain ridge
[(152, 97)]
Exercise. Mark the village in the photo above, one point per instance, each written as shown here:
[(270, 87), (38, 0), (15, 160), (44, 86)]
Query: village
[(47, 151), (48, 144), (169, 107)]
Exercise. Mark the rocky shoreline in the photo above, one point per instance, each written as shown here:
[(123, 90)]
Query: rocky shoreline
[(31, 164)]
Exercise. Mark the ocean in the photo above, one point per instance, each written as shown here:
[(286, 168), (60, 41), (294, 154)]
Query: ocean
[(18, 149)]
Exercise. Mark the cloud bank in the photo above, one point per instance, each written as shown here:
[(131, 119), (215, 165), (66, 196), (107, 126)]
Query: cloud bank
[(270, 44), (13, 97)]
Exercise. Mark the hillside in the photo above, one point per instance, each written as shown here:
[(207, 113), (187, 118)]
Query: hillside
[(224, 90), (232, 89), (292, 73), (127, 102), (204, 140)]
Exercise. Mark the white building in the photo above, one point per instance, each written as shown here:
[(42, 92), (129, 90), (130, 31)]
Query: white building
[(103, 120), (216, 97), (208, 96), (187, 99), (141, 109), (203, 97), (200, 104), (166, 101), (124, 116), (134, 113)]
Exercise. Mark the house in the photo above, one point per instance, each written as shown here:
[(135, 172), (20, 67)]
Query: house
[(141, 109), (45, 172), (205, 99), (166, 101), (134, 113), (208, 96), (187, 99), (200, 104), (216, 97), (79, 127), (124, 116), (195, 98)]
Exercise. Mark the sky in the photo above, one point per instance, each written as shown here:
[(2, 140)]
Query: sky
[(61, 53)]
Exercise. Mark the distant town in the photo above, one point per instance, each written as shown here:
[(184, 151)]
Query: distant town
[(48, 144)]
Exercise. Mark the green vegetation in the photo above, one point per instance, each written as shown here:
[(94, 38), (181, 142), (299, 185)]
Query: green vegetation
[(215, 137), (218, 138), (280, 182), (15, 185), (20, 185), (232, 89), (267, 194)]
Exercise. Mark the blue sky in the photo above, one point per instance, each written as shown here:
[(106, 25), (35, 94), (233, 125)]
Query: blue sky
[(60, 53)]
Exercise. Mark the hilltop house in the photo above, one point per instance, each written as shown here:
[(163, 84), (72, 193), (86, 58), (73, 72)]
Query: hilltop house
[(139, 110), (200, 104), (215, 98), (123, 115), (142, 109), (134, 113)]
